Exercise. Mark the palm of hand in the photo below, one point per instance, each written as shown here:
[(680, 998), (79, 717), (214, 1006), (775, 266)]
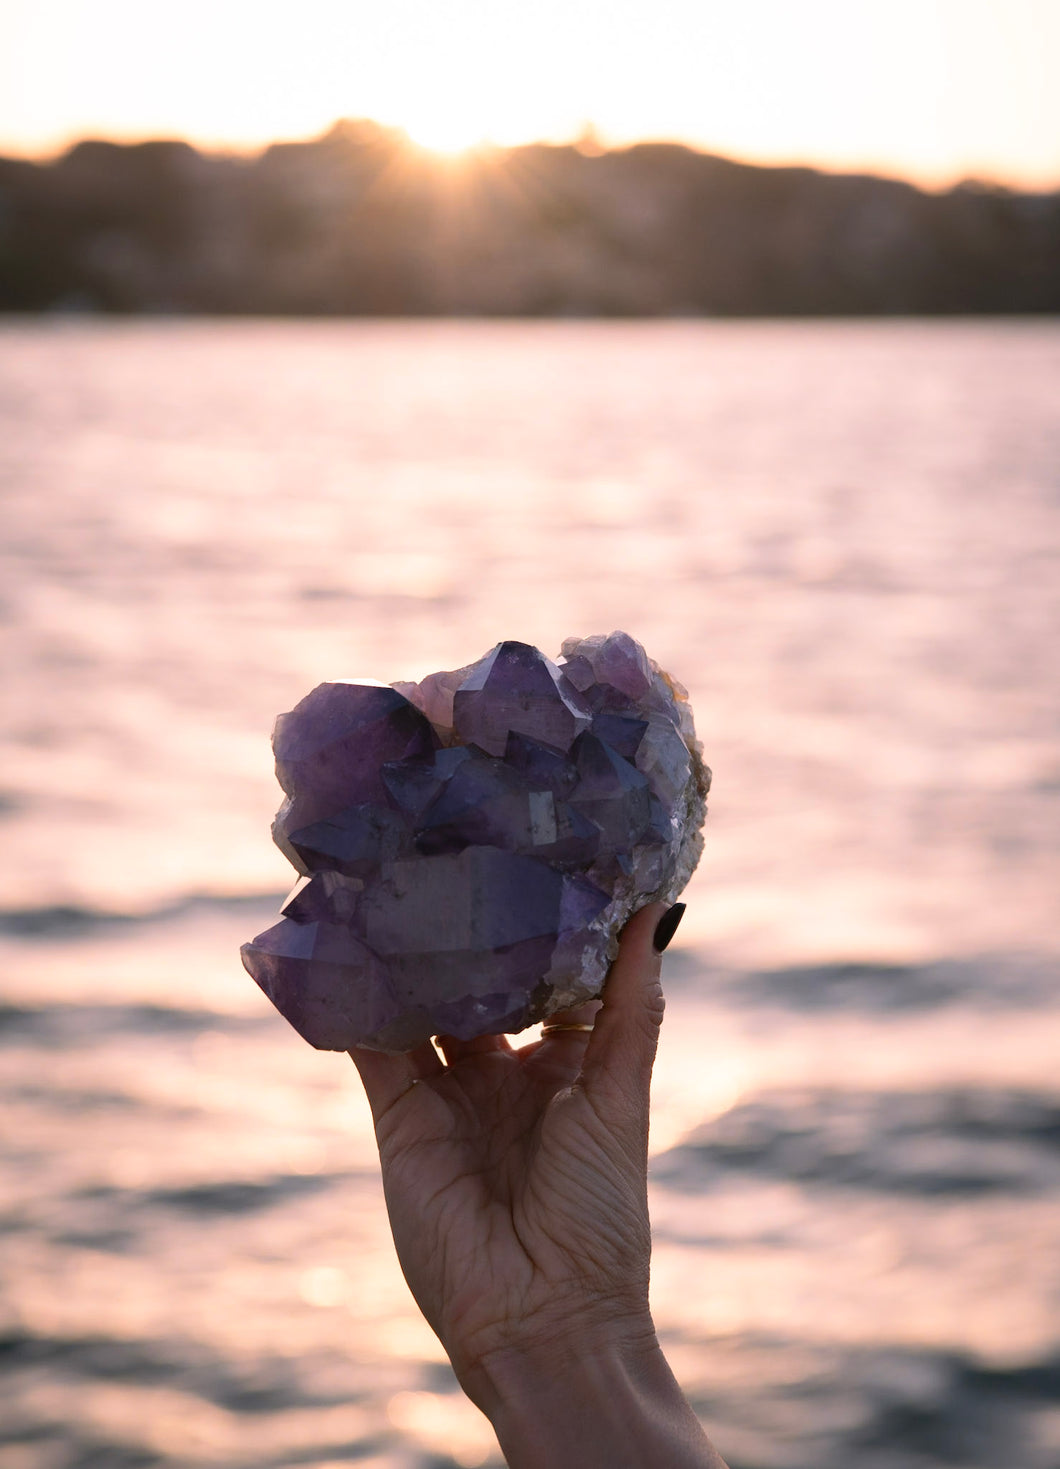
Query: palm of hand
[(513, 1201)]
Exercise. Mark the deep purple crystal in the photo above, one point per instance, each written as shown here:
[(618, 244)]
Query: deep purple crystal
[(331, 748), (516, 690), (471, 845)]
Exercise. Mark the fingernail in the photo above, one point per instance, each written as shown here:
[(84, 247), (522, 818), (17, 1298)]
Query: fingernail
[(667, 926)]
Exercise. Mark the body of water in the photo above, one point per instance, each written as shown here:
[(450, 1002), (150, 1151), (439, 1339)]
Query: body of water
[(844, 538)]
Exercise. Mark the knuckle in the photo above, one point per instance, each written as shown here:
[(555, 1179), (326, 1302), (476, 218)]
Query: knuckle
[(654, 1004)]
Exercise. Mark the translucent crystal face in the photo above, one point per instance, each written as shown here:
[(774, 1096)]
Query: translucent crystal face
[(470, 846)]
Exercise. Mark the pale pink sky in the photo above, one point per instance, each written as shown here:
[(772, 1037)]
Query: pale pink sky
[(935, 90)]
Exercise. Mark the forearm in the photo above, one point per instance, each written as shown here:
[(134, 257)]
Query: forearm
[(592, 1406)]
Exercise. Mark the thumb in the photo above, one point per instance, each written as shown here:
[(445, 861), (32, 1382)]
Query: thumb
[(616, 1072)]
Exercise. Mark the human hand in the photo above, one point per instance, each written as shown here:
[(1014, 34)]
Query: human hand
[(516, 1183), (515, 1179)]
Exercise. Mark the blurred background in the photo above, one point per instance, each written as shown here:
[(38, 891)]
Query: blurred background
[(729, 326)]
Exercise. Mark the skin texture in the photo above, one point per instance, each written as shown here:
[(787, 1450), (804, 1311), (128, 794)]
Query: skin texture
[(516, 1184)]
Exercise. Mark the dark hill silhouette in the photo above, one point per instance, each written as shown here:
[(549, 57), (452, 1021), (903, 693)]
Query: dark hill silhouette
[(360, 222)]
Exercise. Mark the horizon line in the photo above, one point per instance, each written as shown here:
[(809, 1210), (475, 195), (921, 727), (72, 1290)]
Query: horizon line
[(588, 143)]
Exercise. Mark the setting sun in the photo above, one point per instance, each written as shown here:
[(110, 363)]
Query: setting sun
[(447, 135)]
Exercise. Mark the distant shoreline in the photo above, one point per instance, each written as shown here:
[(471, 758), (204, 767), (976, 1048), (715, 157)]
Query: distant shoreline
[(361, 223)]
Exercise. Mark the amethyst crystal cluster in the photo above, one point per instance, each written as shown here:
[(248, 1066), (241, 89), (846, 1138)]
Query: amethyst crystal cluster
[(471, 845)]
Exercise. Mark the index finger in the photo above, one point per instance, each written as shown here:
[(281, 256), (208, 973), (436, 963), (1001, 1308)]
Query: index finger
[(387, 1078)]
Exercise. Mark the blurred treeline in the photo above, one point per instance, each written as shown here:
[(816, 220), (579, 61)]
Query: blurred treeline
[(362, 222)]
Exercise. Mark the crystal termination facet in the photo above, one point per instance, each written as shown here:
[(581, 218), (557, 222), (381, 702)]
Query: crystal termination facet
[(471, 846)]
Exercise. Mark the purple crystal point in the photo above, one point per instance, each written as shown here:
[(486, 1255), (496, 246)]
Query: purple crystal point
[(472, 844), (413, 784), (324, 981), (326, 897), (620, 732), (544, 769), (485, 803), (580, 903), (622, 663), (611, 792), (664, 758), (353, 841), (330, 749), (515, 689)]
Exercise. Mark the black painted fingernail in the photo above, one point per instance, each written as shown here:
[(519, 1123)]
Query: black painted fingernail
[(667, 926)]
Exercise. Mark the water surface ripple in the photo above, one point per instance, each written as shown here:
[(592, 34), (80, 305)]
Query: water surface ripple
[(845, 538)]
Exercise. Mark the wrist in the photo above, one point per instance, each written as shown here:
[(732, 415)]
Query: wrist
[(554, 1360), (594, 1401)]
